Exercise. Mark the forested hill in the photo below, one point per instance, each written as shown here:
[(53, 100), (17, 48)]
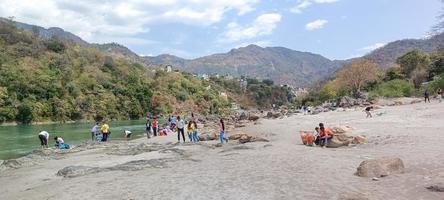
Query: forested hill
[(386, 56), (54, 80)]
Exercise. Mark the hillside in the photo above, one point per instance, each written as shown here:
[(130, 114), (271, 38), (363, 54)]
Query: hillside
[(386, 56), (282, 65), (54, 80), (111, 49)]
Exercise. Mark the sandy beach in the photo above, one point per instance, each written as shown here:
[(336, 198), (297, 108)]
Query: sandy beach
[(280, 169)]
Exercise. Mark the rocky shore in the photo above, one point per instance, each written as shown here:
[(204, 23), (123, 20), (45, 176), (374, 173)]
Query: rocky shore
[(264, 159)]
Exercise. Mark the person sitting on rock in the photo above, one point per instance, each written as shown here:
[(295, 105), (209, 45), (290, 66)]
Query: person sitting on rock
[(326, 135)]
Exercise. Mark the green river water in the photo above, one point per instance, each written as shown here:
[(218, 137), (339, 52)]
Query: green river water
[(17, 141)]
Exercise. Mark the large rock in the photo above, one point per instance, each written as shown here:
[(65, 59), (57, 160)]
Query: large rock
[(245, 138), (207, 137), (380, 167), (243, 116), (253, 118)]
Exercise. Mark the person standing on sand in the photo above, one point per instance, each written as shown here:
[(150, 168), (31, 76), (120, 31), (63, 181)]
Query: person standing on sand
[(190, 131), (94, 130), (196, 132), (155, 126), (439, 95), (367, 111), (148, 127), (180, 127), (44, 137), (426, 96), (105, 131), (222, 132)]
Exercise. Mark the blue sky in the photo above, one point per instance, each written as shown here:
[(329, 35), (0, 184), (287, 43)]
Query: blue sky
[(336, 29)]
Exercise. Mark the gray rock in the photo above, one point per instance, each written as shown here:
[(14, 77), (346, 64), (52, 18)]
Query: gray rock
[(76, 171), (380, 167), (438, 187)]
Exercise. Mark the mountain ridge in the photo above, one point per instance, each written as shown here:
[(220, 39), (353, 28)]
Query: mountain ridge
[(280, 64)]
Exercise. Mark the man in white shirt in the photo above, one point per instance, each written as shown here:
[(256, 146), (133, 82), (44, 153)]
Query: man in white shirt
[(180, 129), (44, 137)]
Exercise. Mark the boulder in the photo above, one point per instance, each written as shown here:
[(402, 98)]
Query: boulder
[(75, 171), (243, 116), (380, 167), (245, 138), (346, 101), (207, 137), (336, 143), (253, 118), (360, 139)]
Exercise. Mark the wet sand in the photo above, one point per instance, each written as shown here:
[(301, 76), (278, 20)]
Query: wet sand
[(280, 169)]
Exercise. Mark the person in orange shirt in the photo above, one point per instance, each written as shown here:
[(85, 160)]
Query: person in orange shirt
[(155, 126), (326, 135)]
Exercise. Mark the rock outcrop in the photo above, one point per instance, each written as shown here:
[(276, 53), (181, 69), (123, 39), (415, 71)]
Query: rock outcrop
[(380, 167)]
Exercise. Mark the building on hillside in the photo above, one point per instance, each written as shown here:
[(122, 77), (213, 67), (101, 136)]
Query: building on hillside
[(168, 68), (204, 77)]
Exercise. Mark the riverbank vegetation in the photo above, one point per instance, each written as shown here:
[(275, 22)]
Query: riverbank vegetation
[(56, 80), (415, 72)]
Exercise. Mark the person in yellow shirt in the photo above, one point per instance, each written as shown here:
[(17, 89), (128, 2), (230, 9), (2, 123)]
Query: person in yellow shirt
[(105, 131), (190, 130)]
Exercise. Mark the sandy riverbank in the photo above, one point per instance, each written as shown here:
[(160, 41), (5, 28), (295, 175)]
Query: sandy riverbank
[(280, 169)]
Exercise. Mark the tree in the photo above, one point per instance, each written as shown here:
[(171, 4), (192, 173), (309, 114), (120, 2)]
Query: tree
[(413, 60), (439, 27), (355, 75), (414, 65)]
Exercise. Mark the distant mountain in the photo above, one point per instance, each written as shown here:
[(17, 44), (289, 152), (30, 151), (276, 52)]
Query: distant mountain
[(284, 66), (386, 56)]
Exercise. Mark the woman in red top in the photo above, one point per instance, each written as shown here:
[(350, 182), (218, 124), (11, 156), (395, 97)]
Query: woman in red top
[(155, 126)]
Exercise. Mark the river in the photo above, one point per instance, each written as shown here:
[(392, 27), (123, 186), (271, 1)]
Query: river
[(17, 141)]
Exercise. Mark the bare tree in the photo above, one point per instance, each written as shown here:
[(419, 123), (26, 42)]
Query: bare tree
[(439, 27), (355, 75)]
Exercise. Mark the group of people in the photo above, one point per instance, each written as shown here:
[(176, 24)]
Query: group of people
[(179, 125), (321, 136), (44, 140), (102, 133)]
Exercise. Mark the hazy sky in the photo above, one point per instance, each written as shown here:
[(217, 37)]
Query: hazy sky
[(336, 29)]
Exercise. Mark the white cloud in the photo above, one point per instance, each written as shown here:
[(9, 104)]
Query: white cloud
[(372, 47), (262, 25), (303, 4), (92, 19), (317, 24)]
